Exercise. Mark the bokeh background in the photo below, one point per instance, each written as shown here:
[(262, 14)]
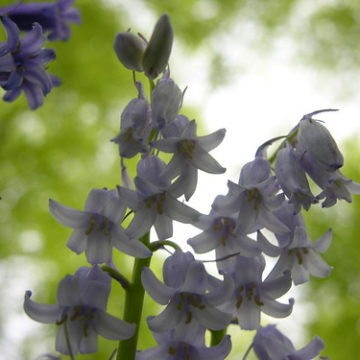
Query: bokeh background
[(252, 66)]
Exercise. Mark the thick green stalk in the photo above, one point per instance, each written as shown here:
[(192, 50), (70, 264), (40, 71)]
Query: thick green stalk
[(134, 301)]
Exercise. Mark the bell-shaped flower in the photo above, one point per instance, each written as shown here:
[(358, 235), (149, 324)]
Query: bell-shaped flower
[(270, 344), (338, 187), (219, 234), (251, 295), (190, 153), (22, 65), (97, 228), (254, 199), (166, 101), (186, 341), (80, 312), (53, 17), (292, 179), (300, 256), (315, 139), (189, 293), (134, 126), (153, 203)]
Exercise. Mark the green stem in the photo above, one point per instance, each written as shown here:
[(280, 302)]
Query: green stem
[(217, 336), (134, 301)]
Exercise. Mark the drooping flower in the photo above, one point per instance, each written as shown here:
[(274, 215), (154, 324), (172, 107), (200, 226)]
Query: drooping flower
[(252, 295), (292, 179), (53, 17), (153, 203), (189, 293), (270, 344), (97, 228), (166, 101), (80, 312), (315, 139), (185, 342), (302, 257), (254, 199), (134, 126), (219, 234), (190, 153), (22, 65)]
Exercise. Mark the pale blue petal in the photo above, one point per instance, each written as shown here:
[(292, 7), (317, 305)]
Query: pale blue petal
[(44, 313), (129, 246), (155, 288), (113, 328), (276, 309), (167, 319), (212, 318)]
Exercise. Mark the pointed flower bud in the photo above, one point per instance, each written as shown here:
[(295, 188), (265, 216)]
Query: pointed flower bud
[(315, 139), (129, 50), (158, 51)]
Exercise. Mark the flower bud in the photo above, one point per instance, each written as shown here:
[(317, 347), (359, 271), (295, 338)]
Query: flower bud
[(158, 51), (318, 142), (129, 50)]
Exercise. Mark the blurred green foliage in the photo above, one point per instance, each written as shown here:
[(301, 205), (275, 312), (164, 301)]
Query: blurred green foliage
[(63, 150)]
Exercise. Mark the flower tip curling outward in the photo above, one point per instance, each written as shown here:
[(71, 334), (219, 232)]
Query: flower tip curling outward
[(270, 344)]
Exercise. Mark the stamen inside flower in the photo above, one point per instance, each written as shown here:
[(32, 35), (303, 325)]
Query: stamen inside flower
[(186, 148)]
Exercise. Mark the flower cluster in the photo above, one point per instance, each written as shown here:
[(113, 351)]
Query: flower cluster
[(259, 218), (23, 59)]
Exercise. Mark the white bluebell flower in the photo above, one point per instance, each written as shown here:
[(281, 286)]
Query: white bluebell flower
[(270, 344), (97, 228), (185, 343), (153, 203), (80, 312), (189, 293), (252, 295), (53, 17)]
